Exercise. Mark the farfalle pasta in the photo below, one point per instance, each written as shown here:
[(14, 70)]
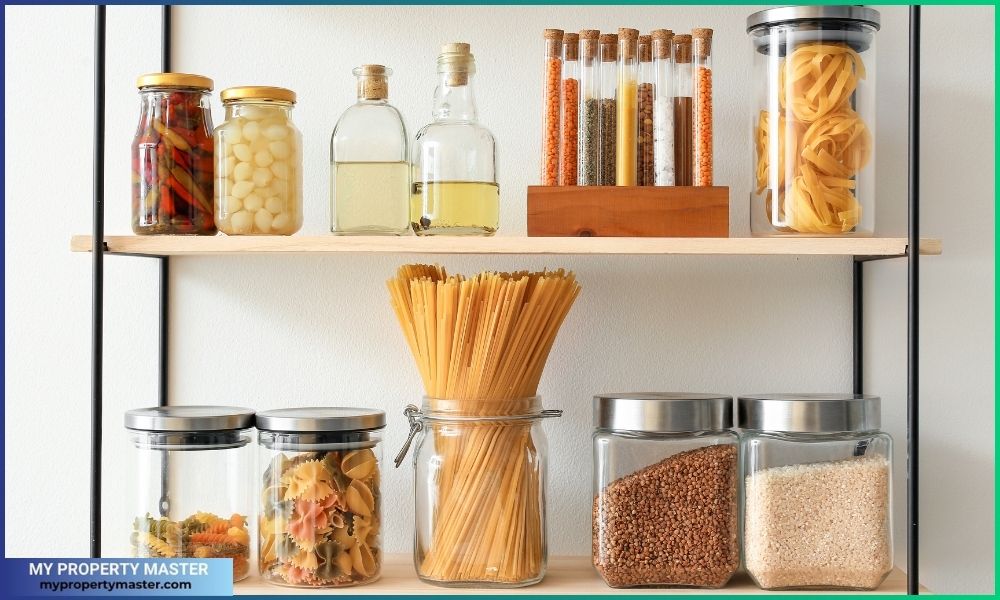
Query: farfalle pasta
[(816, 140), (320, 519), (202, 535)]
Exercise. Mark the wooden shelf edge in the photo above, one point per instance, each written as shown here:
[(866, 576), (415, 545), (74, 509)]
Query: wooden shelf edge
[(224, 245), (566, 575)]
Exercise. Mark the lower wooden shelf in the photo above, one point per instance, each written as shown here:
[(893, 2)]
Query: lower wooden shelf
[(566, 575)]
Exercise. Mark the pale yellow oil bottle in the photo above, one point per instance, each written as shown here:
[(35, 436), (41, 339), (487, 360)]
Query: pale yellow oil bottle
[(370, 198), (455, 208)]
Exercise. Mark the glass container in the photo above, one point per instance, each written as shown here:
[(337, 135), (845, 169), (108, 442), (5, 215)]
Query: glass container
[(455, 189), (589, 147), (550, 106), (627, 96), (683, 112), (568, 158), (644, 153), (818, 491), (814, 120), (172, 165), (258, 150), (608, 111), (665, 490), (191, 478), (701, 61), (320, 516), (369, 172), (480, 516), (663, 107)]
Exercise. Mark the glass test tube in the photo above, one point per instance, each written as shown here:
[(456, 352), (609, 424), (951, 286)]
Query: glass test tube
[(663, 107), (552, 70), (589, 146), (628, 106), (683, 112), (570, 102), (701, 51), (608, 114)]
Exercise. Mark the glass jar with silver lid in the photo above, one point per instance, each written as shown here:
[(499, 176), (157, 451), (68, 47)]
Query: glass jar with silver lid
[(320, 517), (665, 490), (191, 485), (818, 491)]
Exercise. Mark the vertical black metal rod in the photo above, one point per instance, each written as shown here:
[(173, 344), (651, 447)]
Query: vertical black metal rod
[(97, 308), (859, 327), (164, 321), (913, 315)]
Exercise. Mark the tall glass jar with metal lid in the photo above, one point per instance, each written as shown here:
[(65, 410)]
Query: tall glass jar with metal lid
[(258, 152), (814, 120), (818, 491), (665, 507), (455, 189), (191, 478), (172, 165), (320, 517)]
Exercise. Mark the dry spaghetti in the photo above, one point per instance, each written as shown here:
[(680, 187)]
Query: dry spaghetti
[(821, 142), (480, 345)]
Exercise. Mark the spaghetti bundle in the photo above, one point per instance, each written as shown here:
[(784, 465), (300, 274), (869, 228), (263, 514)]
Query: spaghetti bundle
[(821, 141), (480, 345)]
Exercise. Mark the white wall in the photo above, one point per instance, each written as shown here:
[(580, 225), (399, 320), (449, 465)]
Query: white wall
[(280, 331)]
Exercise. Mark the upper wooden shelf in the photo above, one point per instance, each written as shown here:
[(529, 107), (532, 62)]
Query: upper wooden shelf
[(566, 575), (166, 245)]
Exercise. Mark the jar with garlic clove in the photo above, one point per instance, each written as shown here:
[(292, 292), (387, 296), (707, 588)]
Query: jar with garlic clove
[(320, 515), (258, 171)]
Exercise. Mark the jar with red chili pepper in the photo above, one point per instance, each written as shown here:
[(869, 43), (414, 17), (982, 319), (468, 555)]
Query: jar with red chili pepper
[(258, 188), (173, 168)]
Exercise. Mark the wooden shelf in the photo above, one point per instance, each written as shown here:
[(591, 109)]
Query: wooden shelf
[(329, 244), (566, 575)]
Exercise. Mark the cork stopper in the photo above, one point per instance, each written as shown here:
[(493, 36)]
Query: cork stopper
[(609, 47), (645, 48), (373, 81), (662, 41), (628, 43), (571, 46), (553, 43), (682, 48), (457, 63), (702, 42), (588, 44)]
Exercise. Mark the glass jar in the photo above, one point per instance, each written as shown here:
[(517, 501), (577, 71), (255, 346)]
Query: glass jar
[(818, 496), (552, 56), (258, 150), (570, 102), (663, 107), (665, 499), (701, 59), (683, 111), (814, 126), (644, 154), (455, 189), (172, 165), (589, 147), (191, 489), (369, 171), (321, 507), (608, 50), (480, 516)]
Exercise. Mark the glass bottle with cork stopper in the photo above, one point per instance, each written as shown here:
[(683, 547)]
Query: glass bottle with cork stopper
[(589, 146), (663, 107), (455, 188), (683, 112), (628, 106), (569, 115), (607, 111), (701, 53), (550, 106), (369, 172), (644, 154)]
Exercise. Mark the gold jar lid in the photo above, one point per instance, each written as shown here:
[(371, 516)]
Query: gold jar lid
[(175, 80), (263, 93)]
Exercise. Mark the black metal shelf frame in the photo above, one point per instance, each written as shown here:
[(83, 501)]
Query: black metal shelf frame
[(913, 292)]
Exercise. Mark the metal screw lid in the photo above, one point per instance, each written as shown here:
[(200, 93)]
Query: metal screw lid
[(809, 413), (791, 14), (320, 419), (663, 412), (189, 418)]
